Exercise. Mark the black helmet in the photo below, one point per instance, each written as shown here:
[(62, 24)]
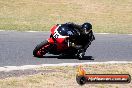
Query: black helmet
[(86, 26)]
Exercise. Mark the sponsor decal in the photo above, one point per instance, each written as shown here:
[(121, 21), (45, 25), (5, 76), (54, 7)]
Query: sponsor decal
[(83, 78)]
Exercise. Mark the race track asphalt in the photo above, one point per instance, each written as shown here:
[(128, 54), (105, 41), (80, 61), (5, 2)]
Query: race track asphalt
[(16, 49)]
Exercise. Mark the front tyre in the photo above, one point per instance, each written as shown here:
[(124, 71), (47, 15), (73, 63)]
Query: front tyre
[(41, 49)]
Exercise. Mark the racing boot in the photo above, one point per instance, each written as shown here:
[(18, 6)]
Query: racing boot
[(80, 53)]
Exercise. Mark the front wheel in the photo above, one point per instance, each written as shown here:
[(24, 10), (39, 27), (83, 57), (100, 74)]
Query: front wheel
[(41, 49)]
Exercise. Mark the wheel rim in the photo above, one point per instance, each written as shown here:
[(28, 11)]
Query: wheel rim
[(42, 51)]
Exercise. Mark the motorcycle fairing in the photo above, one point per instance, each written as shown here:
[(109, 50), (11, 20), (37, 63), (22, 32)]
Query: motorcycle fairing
[(59, 39)]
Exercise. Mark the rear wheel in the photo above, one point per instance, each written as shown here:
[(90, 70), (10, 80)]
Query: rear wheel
[(41, 49)]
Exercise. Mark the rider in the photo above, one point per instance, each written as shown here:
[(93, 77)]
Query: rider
[(84, 30)]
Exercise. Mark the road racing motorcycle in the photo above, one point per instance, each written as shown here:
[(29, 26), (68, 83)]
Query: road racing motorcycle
[(63, 40)]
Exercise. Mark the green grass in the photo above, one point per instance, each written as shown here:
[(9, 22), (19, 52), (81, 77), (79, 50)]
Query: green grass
[(114, 16)]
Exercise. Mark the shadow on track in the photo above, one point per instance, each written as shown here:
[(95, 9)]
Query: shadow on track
[(70, 57)]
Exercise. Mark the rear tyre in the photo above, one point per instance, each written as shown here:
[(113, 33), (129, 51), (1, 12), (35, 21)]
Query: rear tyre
[(41, 49)]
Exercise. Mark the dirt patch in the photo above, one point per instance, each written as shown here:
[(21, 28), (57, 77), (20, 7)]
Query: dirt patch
[(18, 73)]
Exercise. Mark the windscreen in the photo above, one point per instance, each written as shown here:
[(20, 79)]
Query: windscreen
[(65, 30)]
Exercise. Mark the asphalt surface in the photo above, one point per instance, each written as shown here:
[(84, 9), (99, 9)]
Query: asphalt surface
[(16, 49)]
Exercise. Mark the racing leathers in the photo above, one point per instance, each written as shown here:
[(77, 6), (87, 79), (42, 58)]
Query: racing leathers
[(83, 38)]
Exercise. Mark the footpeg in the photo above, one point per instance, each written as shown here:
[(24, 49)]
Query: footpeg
[(78, 46)]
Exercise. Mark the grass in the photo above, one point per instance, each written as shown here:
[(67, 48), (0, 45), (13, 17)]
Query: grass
[(64, 77), (114, 16)]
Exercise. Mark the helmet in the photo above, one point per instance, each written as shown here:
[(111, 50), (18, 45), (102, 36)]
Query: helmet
[(86, 26)]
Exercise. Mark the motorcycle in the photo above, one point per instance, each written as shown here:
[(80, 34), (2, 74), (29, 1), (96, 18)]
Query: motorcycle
[(63, 41)]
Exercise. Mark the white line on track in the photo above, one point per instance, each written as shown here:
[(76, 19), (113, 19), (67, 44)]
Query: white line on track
[(11, 68), (129, 34), (35, 31), (48, 31), (103, 33), (2, 30)]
